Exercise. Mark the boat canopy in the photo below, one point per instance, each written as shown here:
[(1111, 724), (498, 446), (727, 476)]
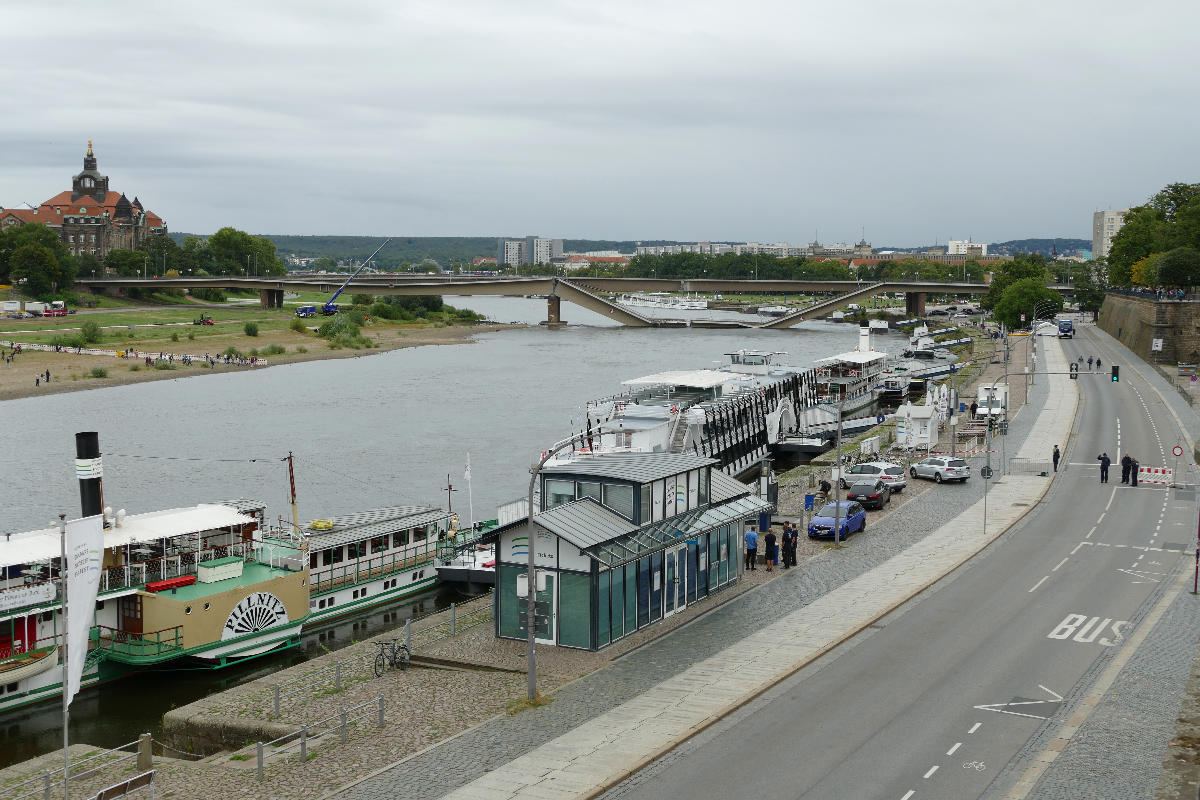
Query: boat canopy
[(695, 378), (855, 357), (43, 545)]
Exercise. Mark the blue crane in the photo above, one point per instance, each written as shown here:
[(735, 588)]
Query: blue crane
[(330, 308)]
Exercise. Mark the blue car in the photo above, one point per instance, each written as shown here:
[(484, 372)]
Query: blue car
[(853, 517)]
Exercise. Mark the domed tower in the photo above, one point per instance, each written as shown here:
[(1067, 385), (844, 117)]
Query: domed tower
[(89, 183)]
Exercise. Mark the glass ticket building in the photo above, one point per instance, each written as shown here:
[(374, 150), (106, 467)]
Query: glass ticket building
[(623, 540)]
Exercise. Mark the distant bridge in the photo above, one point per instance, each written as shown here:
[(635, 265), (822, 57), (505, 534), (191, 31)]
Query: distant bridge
[(582, 291)]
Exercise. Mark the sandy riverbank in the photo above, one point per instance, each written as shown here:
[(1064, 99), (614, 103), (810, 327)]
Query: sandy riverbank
[(25, 376)]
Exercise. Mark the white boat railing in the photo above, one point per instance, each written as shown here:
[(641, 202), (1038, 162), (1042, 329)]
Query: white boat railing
[(172, 566)]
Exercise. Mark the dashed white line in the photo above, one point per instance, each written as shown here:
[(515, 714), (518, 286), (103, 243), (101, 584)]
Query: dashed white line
[(954, 749), (1110, 498), (1039, 583), (932, 770), (1059, 565), (908, 794), (1076, 550), (975, 727), (1101, 519), (1089, 533)]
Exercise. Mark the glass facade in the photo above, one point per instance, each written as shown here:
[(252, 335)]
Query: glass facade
[(575, 609), (603, 610)]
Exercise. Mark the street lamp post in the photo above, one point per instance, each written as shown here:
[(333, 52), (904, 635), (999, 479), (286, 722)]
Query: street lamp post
[(531, 576)]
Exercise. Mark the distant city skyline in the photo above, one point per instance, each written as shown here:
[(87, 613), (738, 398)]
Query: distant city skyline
[(627, 121)]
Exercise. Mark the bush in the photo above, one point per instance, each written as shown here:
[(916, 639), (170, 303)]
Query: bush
[(298, 325), (362, 299), (191, 335), (163, 365), (90, 332), (174, 336), (98, 372), (231, 351), (73, 340), (134, 367), (273, 350), (251, 328), (211, 295), (301, 349)]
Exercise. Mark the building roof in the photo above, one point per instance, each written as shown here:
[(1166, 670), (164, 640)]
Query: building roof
[(722, 487), (855, 357), (584, 522), (369, 524), (26, 215), (636, 467)]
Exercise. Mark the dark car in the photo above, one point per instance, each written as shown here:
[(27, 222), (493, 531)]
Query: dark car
[(853, 519), (872, 494)]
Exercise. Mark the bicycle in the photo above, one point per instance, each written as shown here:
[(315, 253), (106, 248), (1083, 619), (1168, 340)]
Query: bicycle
[(391, 655)]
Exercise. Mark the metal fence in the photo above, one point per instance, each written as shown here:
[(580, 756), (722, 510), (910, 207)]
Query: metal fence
[(1028, 466), (338, 673), (50, 784), (298, 741)]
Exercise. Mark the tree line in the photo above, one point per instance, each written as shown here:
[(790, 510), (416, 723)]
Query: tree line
[(1159, 244)]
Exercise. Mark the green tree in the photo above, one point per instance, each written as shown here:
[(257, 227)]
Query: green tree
[(87, 265), (62, 270), (35, 268), (127, 262), (1142, 234), (362, 299), (1020, 268), (1026, 296), (1179, 267)]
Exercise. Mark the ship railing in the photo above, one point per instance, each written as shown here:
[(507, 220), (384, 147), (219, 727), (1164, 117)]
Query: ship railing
[(335, 577), (462, 616), (139, 573), (11, 650), (137, 644), (297, 741), (50, 783)]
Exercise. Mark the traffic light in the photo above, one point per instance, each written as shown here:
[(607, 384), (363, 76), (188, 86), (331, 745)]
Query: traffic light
[(1116, 373)]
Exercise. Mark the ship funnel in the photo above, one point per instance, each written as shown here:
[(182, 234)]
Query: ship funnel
[(89, 471), (864, 338)]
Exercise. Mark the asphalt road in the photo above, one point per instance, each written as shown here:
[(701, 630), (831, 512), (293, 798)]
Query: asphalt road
[(939, 697)]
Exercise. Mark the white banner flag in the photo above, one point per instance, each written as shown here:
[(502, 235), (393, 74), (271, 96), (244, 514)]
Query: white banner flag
[(467, 473), (85, 555)]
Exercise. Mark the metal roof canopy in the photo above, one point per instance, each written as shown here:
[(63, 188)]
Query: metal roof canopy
[(46, 544), (694, 378), (854, 357), (370, 524), (635, 467)]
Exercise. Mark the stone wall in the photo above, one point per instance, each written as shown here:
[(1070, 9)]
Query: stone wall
[(1136, 321)]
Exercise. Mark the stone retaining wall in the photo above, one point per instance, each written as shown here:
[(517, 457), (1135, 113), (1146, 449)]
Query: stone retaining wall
[(1137, 321)]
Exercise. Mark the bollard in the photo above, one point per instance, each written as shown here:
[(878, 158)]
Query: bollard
[(304, 744), (381, 711), (408, 634), (452, 618), (337, 676), (342, 732), (277, 699), (46, 784), (260, 762), (145, 752)]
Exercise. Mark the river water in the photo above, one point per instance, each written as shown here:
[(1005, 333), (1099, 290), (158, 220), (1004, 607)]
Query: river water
[(382, 429)]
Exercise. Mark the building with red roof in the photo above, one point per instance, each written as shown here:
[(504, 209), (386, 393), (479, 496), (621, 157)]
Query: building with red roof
[(89, 217)]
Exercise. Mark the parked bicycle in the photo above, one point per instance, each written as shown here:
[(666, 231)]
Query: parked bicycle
[(391, 655)]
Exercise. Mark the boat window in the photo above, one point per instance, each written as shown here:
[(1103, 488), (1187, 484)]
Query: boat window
[(399, 538), (558, 492), (356, 549), (619, 497), (589, 490), (312, 560), (419, 534), (379, 544), (644, 503)]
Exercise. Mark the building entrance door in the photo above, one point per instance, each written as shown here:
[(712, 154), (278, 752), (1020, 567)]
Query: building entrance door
[(675, 580)]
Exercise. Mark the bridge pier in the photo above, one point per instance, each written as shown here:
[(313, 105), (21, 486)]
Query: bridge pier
[(270, 298), (553, 310), (914, 304)]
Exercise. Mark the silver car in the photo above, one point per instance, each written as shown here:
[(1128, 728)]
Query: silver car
[(941, 468), (889, 473)]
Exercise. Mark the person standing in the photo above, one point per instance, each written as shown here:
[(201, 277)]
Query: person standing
[(1126, 463), (772, 549), (974, 408), (791, 541), (751, 547), (1104, 462), (1056, 456), (1133, 471)]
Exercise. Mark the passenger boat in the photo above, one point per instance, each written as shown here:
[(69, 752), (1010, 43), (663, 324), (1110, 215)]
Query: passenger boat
[(663, 300), (850, 380), (205, 584), (775, 311)]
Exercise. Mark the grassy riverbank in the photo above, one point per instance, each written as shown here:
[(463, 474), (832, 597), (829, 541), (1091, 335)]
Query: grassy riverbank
[(170, 330)]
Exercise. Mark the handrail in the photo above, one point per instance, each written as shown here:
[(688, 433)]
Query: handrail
[(47, 780), (300, 737)]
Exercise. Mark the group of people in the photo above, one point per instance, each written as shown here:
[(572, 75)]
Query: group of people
[(1129, 468), (1090, 360), (772, 544)]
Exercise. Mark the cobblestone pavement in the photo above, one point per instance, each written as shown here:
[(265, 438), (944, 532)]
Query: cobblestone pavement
[(437, 771)]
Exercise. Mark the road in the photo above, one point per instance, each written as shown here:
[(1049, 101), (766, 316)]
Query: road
[(940, 696)]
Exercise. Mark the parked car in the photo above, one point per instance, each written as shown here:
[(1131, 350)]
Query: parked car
[(937, 312), (889, 473), (853, 519), (941, 468), (961, 316), (871, 493)]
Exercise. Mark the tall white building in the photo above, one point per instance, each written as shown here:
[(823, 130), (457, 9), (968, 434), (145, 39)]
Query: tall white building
[(1105, 225), (530, 250), (965, 247)]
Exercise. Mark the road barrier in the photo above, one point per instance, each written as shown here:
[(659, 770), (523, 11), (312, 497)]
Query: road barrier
[(1158, 476)]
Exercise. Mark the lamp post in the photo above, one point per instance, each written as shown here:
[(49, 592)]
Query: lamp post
[(531, 576)]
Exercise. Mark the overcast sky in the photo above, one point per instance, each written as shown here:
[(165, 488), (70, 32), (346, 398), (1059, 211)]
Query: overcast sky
[(760, 121)]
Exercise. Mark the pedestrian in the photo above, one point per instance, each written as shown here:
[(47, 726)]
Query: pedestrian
[(974, 408), (772, 549), (47, 376), (1104, 462), (37, 381), (1089, 362), (1133, 471), (1126, 463), (1097, 363), (1056, 457), (826, 488), (751, 547), (791, 538)]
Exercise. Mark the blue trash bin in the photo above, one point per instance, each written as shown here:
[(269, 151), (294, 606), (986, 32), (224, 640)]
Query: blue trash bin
[(764, 522), (810, 501)]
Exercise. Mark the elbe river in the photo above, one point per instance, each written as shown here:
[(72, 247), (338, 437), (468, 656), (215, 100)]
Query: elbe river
[(383, 429)]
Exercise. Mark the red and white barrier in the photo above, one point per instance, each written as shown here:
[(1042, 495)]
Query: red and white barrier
[(1161, 476)]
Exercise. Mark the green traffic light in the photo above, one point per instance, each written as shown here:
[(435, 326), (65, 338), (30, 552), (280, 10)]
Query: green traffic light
[(1116, 374)]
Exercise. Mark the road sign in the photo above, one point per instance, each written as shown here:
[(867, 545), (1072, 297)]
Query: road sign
[(1022, 318), (1177, 450), (986, 472), (1156, 345)]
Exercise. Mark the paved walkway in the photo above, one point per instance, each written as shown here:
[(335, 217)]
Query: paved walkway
[(605, 747)]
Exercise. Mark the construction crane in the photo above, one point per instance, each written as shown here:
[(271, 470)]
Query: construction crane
[(330, 308)]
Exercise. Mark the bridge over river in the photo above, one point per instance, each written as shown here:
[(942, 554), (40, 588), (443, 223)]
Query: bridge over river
[(586, 292)]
